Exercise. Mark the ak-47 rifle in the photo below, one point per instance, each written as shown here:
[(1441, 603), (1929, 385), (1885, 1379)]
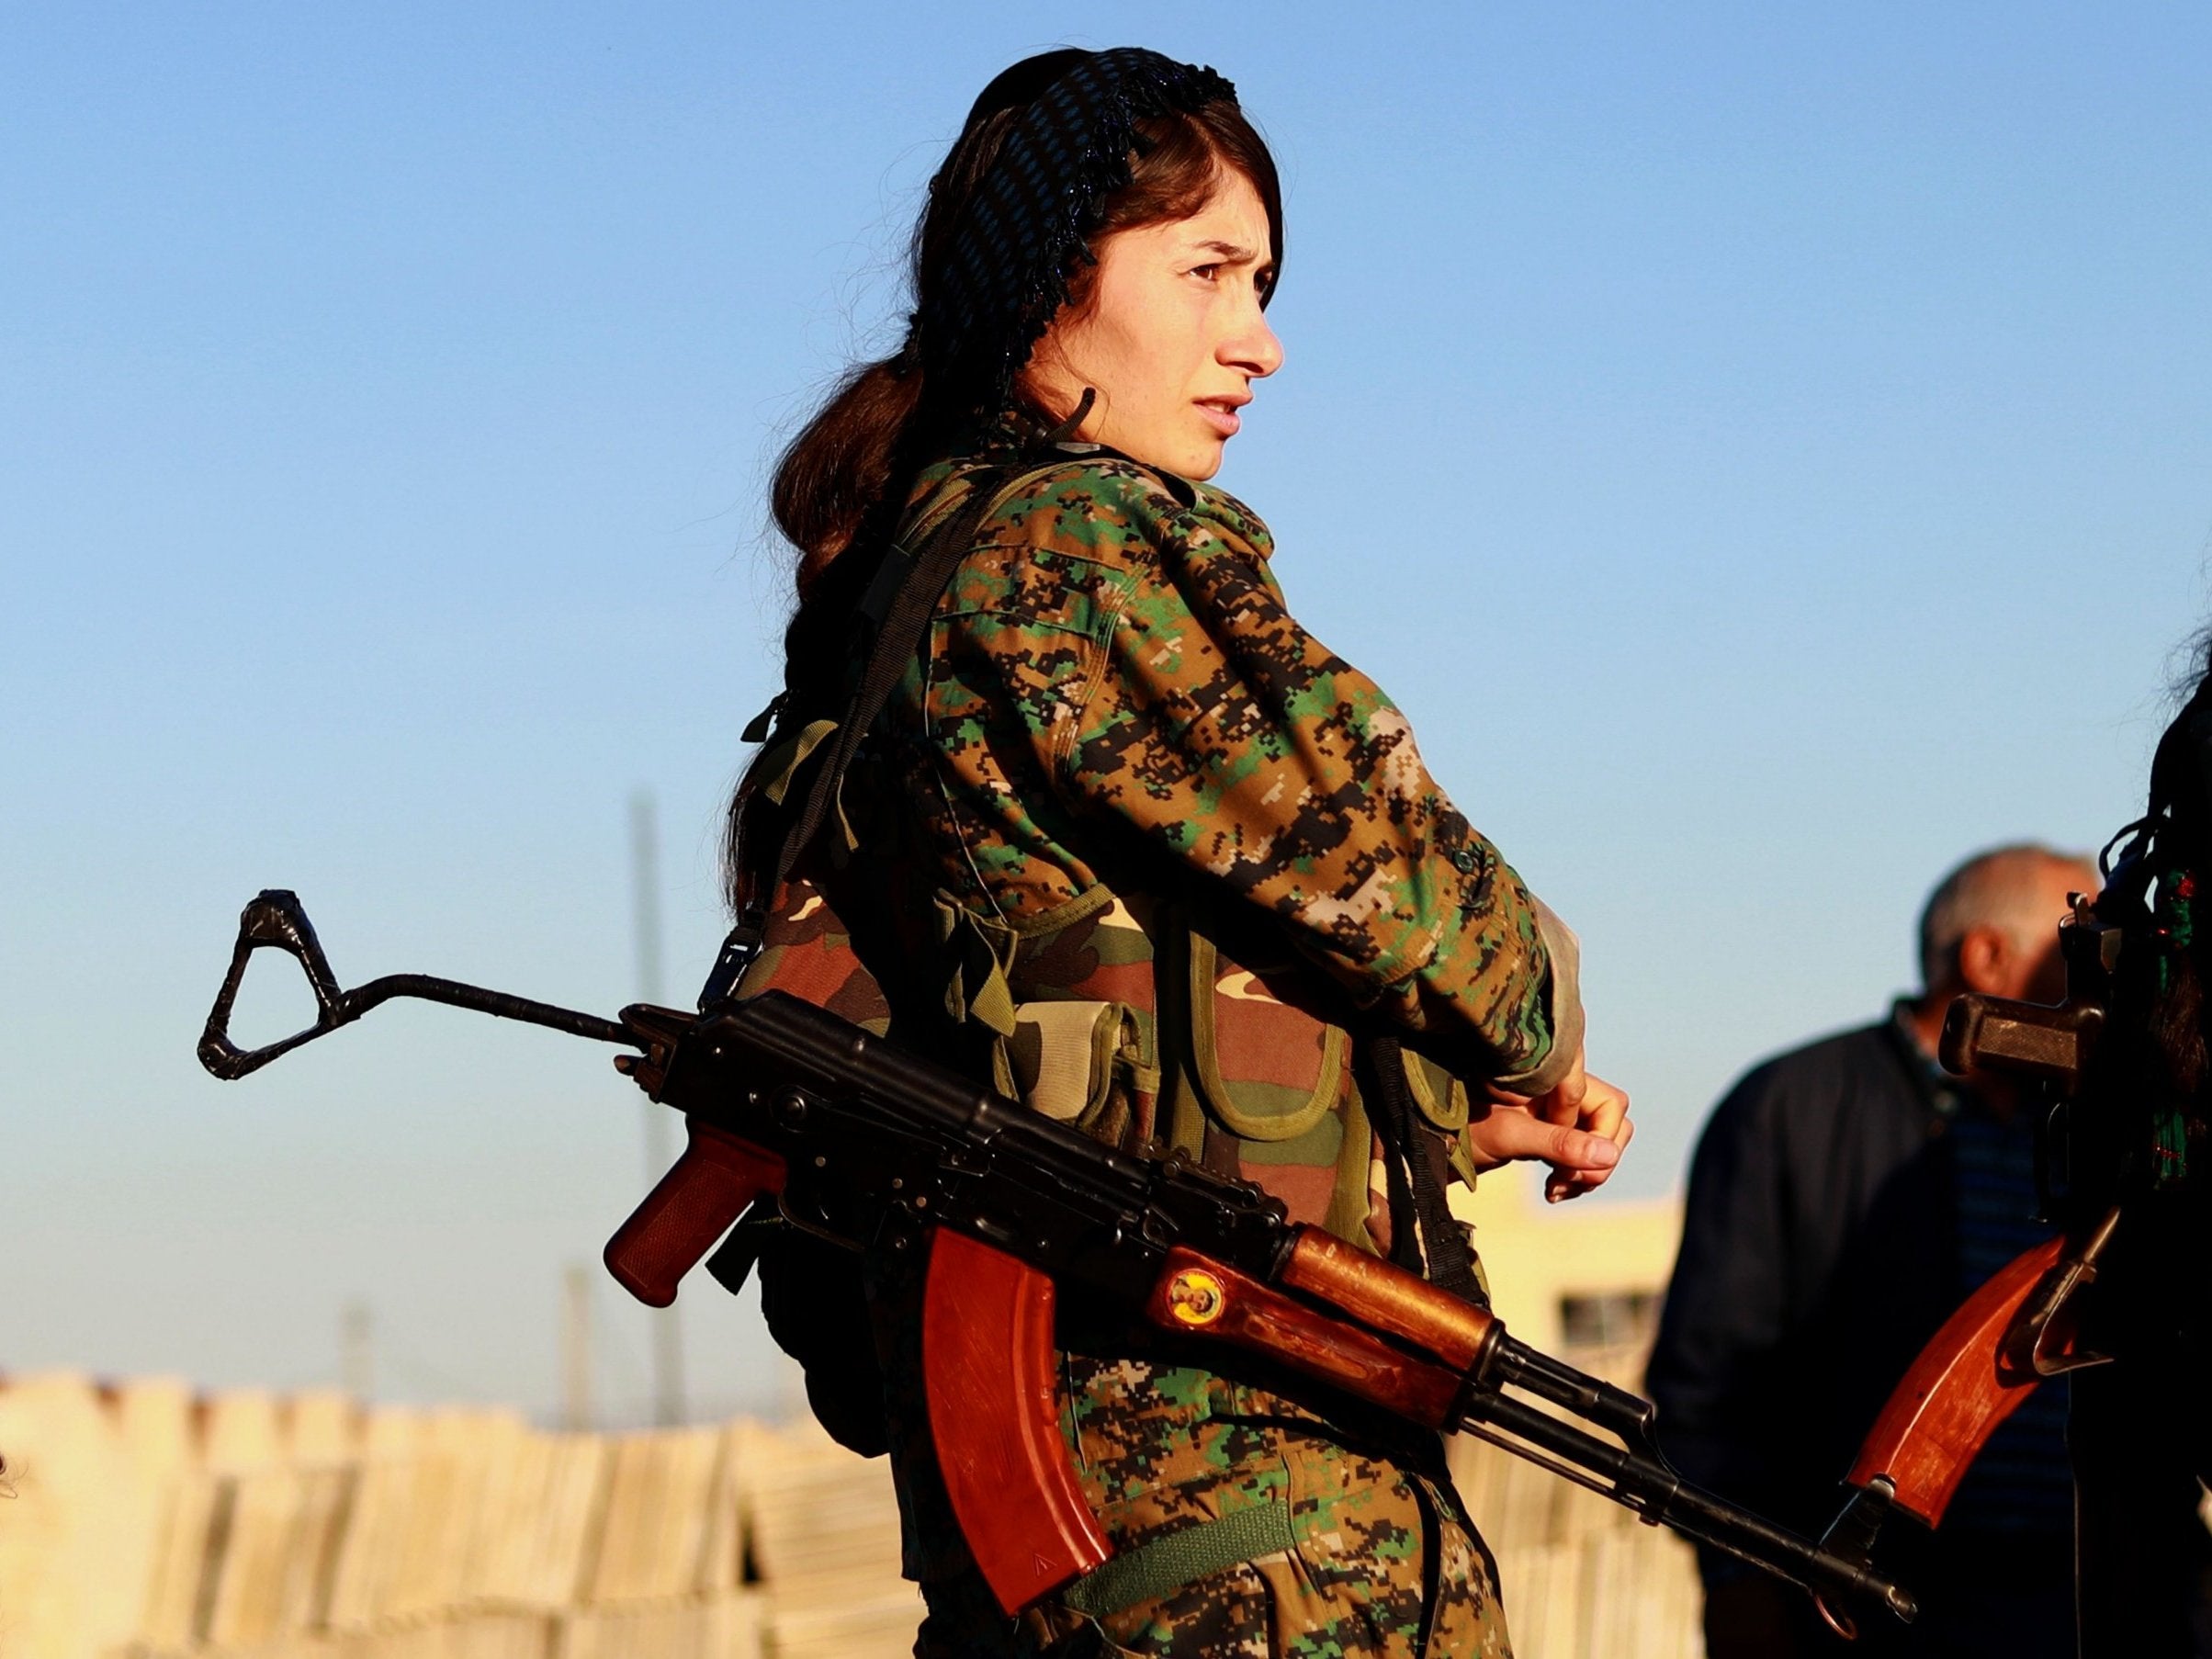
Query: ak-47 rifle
[(2113, 1164), (2022, 1327), (863, 1144)]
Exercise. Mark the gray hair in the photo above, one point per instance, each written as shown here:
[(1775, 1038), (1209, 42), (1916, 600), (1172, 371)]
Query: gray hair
[(1991, 890)]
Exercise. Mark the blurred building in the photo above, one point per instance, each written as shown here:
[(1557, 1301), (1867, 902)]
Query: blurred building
[(1583, 1275)]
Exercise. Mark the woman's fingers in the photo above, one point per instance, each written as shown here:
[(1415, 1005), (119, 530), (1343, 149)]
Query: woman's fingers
[(1606, 1112), (1508, 1133), (1582, 1144), (1580, 1128), (1605, 1109), (1564, 1102)]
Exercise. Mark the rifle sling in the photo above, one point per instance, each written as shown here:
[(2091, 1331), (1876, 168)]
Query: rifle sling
[(1166, 1565), (920, 581), (1417, 1170)]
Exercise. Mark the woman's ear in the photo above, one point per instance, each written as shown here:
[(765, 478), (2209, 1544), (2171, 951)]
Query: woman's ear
[(1045, 380)]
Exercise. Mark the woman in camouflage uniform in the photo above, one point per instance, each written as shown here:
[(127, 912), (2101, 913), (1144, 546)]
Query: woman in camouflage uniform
[(1130, 842)]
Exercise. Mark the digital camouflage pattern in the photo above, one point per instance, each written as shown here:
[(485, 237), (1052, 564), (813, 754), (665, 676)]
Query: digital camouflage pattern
[(1385, 1563), (1116, 656), (1162, 1448), (1383, 1560), (1162, 848)]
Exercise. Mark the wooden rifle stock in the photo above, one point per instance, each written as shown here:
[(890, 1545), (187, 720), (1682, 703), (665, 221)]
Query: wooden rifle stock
[(2019, 1329), (1205, 1296)]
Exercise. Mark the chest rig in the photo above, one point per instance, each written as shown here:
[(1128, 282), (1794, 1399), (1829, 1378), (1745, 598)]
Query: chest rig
[(1152, 1020)]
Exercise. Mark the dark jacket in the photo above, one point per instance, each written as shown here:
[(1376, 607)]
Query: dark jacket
[(1819, 1253)]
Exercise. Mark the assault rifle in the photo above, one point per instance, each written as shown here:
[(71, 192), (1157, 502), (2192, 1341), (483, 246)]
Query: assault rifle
[(2023, 1326), (2113, 1166), (865, 1145)]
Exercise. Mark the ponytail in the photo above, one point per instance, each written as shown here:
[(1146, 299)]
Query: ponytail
[(836, 474), (835, 487)]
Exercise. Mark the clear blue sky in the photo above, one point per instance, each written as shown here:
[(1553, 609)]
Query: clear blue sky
[(1768, 449)]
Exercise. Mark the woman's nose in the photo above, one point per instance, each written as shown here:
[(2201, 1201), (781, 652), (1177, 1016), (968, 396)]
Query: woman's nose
[(1253, 347)]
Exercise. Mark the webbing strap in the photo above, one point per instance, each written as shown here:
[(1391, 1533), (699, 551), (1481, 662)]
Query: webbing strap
[(1168, 1564), (1441, 1251), (920, 581), (899, 600)]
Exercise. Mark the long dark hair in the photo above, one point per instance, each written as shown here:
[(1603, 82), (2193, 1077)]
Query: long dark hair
[(2148, 1140), (841, 482), (2171, 846)]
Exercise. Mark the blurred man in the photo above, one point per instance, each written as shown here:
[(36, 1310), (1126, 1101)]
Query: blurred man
[(1844, 1198)]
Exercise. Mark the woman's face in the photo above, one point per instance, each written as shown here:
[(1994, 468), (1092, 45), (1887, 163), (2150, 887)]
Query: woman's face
[(1174, 336)]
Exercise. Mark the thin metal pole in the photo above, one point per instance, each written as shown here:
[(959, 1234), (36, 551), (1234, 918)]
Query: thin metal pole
[(645, 896), (576, 1350), (357, 1372)]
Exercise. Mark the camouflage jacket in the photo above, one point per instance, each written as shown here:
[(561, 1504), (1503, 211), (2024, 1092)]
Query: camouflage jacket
[(1133, 842), (1161, 851)]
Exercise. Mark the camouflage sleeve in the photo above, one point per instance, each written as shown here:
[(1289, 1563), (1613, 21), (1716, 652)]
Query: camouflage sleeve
[(1232, 737)]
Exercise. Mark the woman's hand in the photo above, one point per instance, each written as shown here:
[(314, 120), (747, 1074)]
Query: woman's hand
[(1580, 1127)]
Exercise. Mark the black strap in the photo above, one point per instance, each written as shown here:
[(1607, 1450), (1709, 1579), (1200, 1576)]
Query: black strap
[(899, 600), (905, 615), (1418, 1171)]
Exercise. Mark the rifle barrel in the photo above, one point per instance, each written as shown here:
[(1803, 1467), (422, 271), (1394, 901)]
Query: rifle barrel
[(1661, 1496)]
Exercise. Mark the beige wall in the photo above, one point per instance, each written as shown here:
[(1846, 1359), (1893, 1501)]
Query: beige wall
[(147, 1524), (150, 1522)]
